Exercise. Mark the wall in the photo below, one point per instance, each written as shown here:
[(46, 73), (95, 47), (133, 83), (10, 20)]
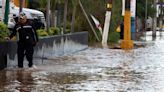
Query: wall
[(51, 47), (3, 52)]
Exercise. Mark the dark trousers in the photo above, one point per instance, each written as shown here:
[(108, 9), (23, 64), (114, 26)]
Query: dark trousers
[(25, 49)]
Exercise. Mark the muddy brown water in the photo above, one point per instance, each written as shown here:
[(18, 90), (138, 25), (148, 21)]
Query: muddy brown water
[(93, 70)]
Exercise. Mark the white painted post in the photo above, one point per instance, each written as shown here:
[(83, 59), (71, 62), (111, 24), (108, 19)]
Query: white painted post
[(106, 29)]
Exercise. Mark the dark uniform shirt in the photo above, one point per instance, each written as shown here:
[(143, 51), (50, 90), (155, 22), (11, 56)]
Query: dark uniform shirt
[(25, 33)]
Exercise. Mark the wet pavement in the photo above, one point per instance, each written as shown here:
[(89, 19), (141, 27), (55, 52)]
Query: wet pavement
[(94, 70)]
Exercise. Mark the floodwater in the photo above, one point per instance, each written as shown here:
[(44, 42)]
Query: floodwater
[(94, 70)]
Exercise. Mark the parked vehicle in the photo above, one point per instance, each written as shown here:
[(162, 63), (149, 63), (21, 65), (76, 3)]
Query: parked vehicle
[(14, 12)]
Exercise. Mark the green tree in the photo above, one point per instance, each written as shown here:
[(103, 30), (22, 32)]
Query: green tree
[(91, 7), (42, 4), (53, 3), (141, 8), (116, 15)]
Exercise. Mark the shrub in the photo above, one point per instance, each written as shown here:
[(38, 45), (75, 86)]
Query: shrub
[(42, 33), (54, 31), (67, 31), (4, 32), (114, 37)]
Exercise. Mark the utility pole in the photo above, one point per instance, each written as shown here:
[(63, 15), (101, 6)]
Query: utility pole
[(127, 43), (107, 24), (6, 16)]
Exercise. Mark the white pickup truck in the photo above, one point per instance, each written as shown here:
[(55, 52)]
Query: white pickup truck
[(14, 12)]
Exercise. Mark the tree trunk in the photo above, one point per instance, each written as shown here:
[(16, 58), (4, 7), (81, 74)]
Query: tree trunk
[(20, 5), (65, 15), (154, 21), (73, 19), (161, 15), (53, 18), (47, 15)]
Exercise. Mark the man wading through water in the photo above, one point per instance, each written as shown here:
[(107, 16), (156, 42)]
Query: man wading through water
[(26, 39)]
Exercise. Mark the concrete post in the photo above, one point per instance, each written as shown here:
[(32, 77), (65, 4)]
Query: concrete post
[(107, 24), (127, 43)]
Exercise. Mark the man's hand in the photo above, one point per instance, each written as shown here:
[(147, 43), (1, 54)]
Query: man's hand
[(35, 43)]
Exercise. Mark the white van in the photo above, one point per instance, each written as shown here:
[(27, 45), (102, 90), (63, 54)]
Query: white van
[(14, 11)]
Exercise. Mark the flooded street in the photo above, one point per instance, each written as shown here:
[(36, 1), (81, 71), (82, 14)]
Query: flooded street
[(94, 70)]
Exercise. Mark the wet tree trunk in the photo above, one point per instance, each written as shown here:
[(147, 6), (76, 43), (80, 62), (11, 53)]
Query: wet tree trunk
[(47, 15), (65, 15), (20, 5), (53, 20), (154, 21), (73, 19), (161, 14)]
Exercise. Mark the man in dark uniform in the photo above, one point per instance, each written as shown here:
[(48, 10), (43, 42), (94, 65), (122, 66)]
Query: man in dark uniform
[(27, 39)]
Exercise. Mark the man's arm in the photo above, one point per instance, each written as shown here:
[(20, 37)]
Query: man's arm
[(34, 30), (13, 32), (37, 39)]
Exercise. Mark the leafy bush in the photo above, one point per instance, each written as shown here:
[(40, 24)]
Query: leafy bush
[(42, 33), (67, 31), (114, 37), (4, 32), (54, 31)]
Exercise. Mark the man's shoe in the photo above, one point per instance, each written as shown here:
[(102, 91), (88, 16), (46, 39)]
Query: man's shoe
[(32, 68)]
